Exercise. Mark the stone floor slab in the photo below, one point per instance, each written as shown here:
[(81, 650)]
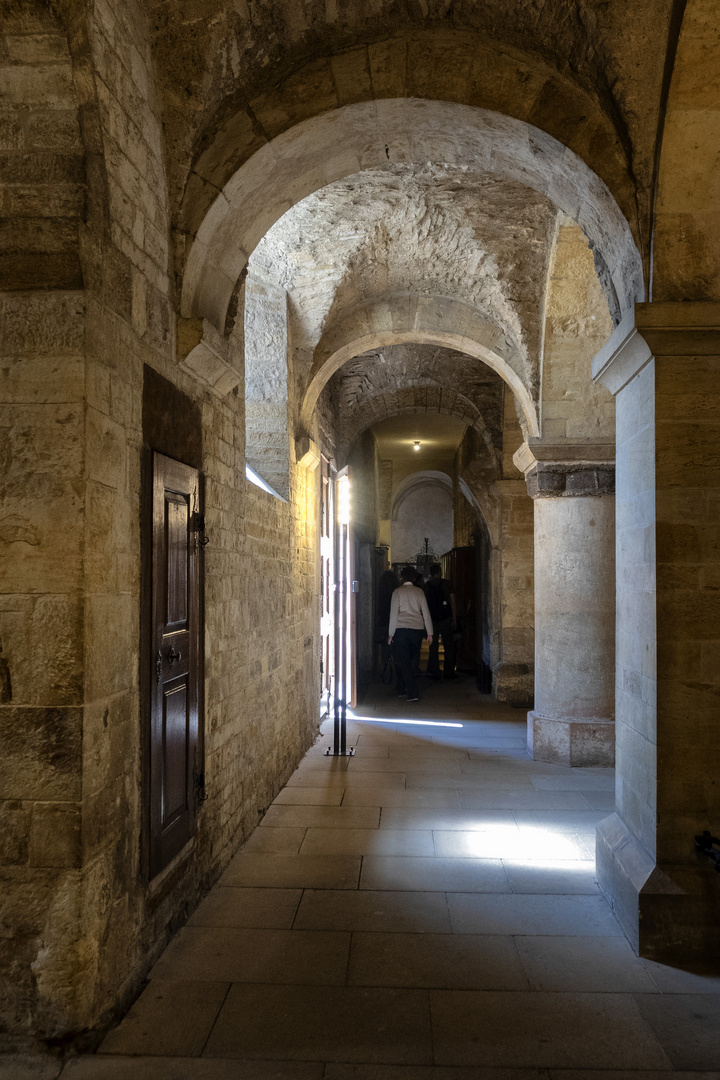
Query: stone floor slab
[(232, 906), (553, 821), (179, 1068), (29, 1066), (687, 1026), (280, 841), (324, 1024), (545, 915), (585, 964), (169, 1018), (301, 796), (436, 818), (368, 842), (510, 843), (696, 979), (418, 874), (575, 781), (324, 817), (401, 798), (522, 799), (387, 912), (343, 1071), (561, 876), (547, 1030), (436, 960), (238, 955), (294, 871)]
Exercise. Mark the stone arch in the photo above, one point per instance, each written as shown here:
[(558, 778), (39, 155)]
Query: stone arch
[(418, 400), (347, 140), (426, 320), (686, 228), (464, 65)]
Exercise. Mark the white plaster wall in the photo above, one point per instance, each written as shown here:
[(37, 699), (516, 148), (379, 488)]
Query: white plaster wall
[(425, 512)]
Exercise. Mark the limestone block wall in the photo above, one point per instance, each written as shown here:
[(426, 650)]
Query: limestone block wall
[(80, 923), (688, 607), (43, 167), (42, 513)]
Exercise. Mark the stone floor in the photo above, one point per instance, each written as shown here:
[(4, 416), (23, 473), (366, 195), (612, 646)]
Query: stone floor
[(424, 910)]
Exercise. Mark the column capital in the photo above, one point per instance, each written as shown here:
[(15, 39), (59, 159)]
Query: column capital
[(687, 328), (559, 470)]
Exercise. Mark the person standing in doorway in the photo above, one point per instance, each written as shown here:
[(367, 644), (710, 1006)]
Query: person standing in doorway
[(440, 597), (409, 622)]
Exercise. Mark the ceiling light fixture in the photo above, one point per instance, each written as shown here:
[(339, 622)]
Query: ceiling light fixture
[(416, 445)]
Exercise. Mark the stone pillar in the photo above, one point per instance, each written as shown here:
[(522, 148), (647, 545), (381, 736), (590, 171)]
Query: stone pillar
[(667, 387), (572, 487)]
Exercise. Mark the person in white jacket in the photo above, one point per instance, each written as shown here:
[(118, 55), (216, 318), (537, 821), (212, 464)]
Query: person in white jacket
[(409, 622)]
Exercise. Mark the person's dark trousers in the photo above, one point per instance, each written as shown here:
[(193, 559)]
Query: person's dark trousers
[(406, 647), (442, 628)]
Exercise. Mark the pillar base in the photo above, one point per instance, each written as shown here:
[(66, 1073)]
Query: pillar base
[(571, 741), (669, 913)]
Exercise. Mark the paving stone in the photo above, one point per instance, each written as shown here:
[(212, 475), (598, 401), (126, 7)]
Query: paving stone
[(243, 955), (509, 843), (418, 874), (368, 842), (294, 871), (436, 960), (582, 964), (695, 979), (401, 798), (280, 841), (687, 1026), (324, 1024), (327, 817), (29, 1067), (232, 906), (389, 912), (179, 1068), (301, 796), (549, 1030), (471, 913), (438, 818), (171, 1017), (558, 876)]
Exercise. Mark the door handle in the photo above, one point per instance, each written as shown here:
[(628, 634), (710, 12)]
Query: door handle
[(172, 656)]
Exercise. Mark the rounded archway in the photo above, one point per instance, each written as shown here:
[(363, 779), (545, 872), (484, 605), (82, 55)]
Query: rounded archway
[(351, 139)]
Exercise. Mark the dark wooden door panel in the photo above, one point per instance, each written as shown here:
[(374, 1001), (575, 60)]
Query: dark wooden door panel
[(176, 736), (175, 684)]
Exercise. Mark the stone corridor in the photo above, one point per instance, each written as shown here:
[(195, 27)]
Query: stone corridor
[(425, 910)]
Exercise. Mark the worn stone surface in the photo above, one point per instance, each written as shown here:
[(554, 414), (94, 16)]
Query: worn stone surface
[(146, 150)]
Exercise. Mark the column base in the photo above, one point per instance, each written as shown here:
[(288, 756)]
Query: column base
[(670, 913), (571, 741)]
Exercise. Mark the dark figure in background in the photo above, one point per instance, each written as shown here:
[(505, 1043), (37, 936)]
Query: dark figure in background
[(409, 621), (441, 602), (387, 585)]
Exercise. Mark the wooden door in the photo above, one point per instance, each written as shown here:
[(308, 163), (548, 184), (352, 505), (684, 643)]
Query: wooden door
[(175, 770)]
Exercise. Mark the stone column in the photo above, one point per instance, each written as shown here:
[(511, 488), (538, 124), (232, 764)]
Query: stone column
[(666, 382), (572, 487)]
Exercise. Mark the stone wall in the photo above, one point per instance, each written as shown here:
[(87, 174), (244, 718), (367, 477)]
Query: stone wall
[(80, 921)]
